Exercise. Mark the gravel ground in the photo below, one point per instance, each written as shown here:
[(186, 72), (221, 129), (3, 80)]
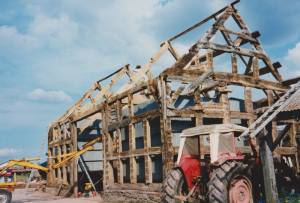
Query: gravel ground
[(29, 195)]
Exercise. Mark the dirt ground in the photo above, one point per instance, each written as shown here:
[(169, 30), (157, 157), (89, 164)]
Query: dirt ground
[(29, 195)]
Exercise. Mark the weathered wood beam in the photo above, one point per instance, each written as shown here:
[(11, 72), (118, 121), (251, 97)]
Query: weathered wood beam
[(201, 22), (230, 49), (281, 136), (245, 37), (248, 81), (286, 150), (98, 107), (73, 167), (255, 34), (170, 72), (234, 67), (125, 122), (266, 70), (243, 80), (239, 20), (268, 169), (85, 114), (186, 59), (273, 70), (291, 81), (166, 132), (249, 65), (173, 51)]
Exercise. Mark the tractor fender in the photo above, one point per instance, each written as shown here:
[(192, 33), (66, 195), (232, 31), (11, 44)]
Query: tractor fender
[(190, 166)]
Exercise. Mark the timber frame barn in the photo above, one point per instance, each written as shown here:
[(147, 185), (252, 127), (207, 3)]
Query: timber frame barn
[(139, 120)]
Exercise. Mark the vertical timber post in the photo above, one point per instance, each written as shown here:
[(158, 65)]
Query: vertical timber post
[(132, 160), (147, 145), (106, 148), (225, 102), (167, 148), (268, 167), (64, 151), (74, 169)]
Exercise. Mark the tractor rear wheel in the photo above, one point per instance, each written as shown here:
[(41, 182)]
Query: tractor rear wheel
[(174, 187), (5, 196), (230, 183)]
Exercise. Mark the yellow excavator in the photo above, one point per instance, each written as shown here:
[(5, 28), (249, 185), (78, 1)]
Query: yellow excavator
[(8, 178), (9, 182)]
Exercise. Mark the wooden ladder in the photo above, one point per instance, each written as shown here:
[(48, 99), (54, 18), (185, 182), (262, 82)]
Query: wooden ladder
[(259, 124)]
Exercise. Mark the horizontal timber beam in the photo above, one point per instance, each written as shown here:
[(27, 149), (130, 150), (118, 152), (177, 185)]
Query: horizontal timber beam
[(249, 81), (266, 70)]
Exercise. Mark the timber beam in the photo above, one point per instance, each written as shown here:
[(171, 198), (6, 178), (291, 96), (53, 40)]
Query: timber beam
[(249, 81)]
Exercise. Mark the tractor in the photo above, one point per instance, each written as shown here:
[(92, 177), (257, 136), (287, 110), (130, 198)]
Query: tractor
[(222, 176)]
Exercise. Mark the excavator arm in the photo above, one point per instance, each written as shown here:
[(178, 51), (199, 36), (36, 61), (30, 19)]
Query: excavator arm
[(70, 156), (24, 163)]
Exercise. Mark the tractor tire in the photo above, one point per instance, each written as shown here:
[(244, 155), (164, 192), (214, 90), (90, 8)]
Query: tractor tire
[(174, 185), (5, 196), (230, 182)]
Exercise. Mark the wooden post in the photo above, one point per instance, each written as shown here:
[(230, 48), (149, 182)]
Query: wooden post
[(226, 107), (165, 123), (133, 174), (234, 64), (74, 169), (147, 145), (248, 103), (132, 161), (268, 167), (209, 59), (106, 164), (255, 68), (274, 123), (59, 160), (120, 171), (51, 174), (64, 168), (119, 161)]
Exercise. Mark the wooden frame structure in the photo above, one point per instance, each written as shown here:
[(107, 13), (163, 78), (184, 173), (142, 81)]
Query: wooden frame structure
[(139, 122)]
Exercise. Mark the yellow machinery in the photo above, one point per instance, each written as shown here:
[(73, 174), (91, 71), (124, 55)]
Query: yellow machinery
[(70, 156), (67, 158), (27, 163), (8, 186)]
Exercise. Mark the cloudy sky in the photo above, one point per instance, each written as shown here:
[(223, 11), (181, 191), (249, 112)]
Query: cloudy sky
[(52, 50)]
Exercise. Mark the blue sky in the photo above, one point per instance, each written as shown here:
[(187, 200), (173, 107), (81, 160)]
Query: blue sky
[(52, 50)]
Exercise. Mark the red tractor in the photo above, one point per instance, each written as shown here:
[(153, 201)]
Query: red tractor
[(220, 176)]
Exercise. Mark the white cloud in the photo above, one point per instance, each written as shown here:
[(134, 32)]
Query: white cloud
[(14, 42), (292, 61), (7, 152), (293, 55), (49, 96), (59, 31)]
